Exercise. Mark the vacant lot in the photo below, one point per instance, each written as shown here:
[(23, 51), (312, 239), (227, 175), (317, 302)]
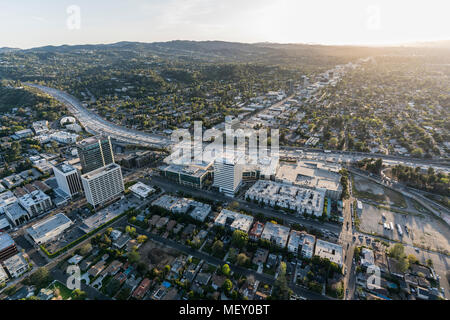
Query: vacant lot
[(424, 230), (365, 189), (156, 255)]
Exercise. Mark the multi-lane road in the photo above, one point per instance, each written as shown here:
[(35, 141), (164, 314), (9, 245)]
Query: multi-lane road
[(93, 123)]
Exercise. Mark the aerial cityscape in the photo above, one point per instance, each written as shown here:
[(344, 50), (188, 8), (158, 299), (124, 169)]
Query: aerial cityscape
[(247, 168)]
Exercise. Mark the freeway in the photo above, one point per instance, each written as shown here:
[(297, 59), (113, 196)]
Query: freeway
[(95, 124)]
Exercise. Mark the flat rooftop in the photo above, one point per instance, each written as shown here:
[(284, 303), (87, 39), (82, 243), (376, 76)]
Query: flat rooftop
[(310, 174), (65, 168), (5, 241), (100, 171), (41, 229)]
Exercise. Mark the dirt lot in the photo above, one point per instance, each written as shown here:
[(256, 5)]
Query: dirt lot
[(424, 230), (156, 255), (365, 189)]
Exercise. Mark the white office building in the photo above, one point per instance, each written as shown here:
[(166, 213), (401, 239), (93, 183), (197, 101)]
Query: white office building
[(49, 229), (68, 179), (103, 185), (227, 175)]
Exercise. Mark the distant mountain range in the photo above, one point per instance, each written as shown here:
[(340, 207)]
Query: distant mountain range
[(6, 49)]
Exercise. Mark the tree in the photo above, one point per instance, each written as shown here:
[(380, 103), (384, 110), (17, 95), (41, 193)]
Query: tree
[(142, 238), (397, 251), (227, 285), (242, 259), (281, 289), (85, 249), (412, 259), (417, 153), (217, 246), (133, 257), (40, 278), (239, 239), (226, 269), (79, 294)]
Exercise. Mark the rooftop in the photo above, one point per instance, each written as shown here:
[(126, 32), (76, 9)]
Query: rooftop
[(5, 241), (44, 228), (100, 171)]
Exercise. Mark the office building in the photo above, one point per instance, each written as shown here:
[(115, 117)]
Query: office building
[(141, 190), (103, 185), (16, 214), (68, 179), (227, 175), (95, 152)]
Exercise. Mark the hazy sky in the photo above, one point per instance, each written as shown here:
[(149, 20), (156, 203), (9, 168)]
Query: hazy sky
[(31, 23)]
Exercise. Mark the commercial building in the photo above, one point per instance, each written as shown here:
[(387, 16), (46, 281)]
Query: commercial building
[(287, 196), (103, 185), (40, 127), (49, 229), (138, 160), (26, 133), (330, 251), (4, 224), (6, 198), (192, 175), (227, 175), (313, 175), (36, 202), (64, 137), (16, 214), (7, 246), (234, 220), (95, 152), (276, 234), (141, 190), (16, 265), (68, 179)]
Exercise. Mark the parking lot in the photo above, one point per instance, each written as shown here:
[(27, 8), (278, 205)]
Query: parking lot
[(423, 230)]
